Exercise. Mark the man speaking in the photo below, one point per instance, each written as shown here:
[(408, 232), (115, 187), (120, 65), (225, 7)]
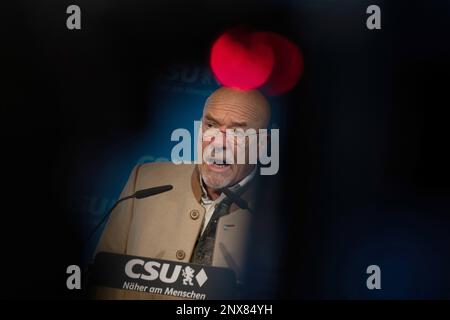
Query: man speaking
[(202, 220)]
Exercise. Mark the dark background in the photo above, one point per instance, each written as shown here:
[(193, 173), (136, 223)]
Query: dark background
[(364, 175)]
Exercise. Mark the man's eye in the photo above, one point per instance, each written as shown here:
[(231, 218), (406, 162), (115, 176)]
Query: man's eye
[(238, 131)]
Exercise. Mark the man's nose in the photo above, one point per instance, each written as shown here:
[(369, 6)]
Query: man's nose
[(221, 137)]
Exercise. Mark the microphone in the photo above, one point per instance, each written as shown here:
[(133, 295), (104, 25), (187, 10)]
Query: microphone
[(241, 203), (144, 193), (140, 194)]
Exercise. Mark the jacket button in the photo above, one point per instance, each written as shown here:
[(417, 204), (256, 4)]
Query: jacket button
[(180, 254), (194, 214)]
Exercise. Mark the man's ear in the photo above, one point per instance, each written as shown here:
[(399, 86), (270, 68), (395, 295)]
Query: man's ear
[(199, 142)]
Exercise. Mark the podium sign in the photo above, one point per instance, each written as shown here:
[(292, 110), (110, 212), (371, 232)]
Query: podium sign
[(155, 276)]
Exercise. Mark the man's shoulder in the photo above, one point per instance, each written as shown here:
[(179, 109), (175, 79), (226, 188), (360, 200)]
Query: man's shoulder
[(164, 172), (165, 168)]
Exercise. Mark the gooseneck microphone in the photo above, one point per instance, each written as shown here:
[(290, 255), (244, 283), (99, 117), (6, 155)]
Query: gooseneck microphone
[(140, 194), (241, 203), (144, 193)]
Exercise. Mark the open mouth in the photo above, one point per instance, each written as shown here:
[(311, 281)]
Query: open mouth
[(216, 166)]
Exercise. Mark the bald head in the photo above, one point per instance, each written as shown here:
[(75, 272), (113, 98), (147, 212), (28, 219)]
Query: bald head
[(228, 108), (239, 106)]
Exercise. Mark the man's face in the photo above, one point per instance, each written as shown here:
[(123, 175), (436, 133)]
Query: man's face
[(220, 117)]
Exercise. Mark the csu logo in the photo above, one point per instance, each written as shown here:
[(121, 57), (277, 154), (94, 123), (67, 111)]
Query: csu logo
[(152, 270)]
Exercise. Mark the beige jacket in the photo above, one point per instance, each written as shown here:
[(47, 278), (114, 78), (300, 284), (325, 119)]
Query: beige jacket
[(166, 226)]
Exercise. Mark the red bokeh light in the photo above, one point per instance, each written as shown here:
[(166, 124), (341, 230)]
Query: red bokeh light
[(288, 66), (249, 60), (242, 59)]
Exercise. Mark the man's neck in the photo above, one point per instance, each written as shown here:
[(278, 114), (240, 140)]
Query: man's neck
[(213, 194)]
